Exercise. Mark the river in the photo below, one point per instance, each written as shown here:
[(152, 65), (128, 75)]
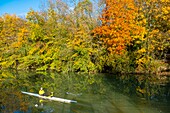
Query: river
[(95, 93)]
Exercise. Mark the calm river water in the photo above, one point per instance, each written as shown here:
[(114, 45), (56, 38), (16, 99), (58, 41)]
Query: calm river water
[(98, 93)]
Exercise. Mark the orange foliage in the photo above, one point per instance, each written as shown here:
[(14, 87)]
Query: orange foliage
[(118, 25)]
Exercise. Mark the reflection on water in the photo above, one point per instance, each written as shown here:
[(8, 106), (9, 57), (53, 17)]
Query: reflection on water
[(11, 100), (94, 94)]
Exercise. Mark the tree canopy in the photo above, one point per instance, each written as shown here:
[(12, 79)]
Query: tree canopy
[(127, 36)]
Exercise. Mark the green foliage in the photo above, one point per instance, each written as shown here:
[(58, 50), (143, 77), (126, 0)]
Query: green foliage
[(61, 39)]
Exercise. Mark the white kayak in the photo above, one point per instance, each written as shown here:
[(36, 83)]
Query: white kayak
[(50, 98)]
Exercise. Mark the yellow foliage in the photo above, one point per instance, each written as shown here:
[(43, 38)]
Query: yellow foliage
[(31, 52), (7, 75), (165, 10), (4, 63), (143, 50), (164, 0)]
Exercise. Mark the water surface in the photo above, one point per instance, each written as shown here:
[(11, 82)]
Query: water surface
[(97, 93)]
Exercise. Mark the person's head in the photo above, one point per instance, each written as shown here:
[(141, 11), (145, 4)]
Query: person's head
[(41, 88)]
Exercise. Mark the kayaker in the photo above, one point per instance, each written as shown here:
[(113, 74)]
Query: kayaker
[(41, 92)]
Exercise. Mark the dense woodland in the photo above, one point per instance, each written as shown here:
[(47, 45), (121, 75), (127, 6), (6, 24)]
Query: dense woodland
[(108, 36)]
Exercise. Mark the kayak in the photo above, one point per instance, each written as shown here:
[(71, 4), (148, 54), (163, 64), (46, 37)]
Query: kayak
[(50, 98)]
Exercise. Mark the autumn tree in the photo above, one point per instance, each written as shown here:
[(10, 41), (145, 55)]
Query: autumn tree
[(11, 25), (118, 25), (118, 29), (153, 15)]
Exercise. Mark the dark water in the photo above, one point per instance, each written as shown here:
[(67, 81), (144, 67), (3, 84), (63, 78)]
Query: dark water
[(98, 93)]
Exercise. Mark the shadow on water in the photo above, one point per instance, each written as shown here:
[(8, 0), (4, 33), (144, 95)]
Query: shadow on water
[(94, 93)]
